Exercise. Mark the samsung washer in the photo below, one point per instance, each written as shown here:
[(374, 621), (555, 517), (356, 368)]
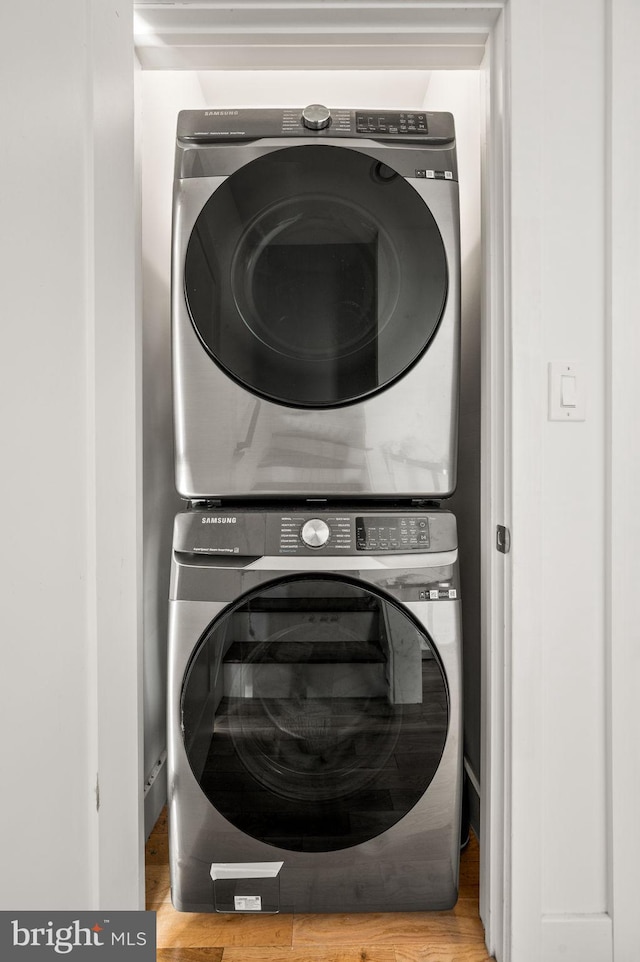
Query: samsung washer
[(314, 739), (315, 304)]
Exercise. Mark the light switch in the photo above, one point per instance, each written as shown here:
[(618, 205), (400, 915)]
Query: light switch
[(566, 391)]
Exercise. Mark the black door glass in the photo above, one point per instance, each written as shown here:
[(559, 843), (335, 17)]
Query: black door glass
[(314, 713), (315, 276)]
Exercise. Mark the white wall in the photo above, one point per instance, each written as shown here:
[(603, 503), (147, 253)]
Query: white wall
[(556, 663), (69, 623), (623, 597), (48, 722), (572, 273), (335, 88)]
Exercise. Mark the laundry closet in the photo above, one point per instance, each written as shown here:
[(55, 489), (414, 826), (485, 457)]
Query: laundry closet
[(211, 436)]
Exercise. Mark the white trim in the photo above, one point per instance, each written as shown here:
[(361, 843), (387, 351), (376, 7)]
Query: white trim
[(310, 35), (495, 879), (261, 56), (116, 491), (576, 938), (89, 486), (523, 671), (624, 472)]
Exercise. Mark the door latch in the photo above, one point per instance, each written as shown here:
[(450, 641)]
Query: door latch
[(503, 539)]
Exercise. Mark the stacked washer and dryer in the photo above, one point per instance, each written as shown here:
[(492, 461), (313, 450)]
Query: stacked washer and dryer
[(315, 740)]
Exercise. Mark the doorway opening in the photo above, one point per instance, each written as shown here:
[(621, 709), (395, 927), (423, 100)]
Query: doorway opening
[(482, 498)]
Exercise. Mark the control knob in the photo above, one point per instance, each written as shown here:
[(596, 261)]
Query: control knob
[(316, 117), (315, 533)]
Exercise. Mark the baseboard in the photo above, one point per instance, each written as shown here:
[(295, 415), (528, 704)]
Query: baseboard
[(155, 794), (577, 938)]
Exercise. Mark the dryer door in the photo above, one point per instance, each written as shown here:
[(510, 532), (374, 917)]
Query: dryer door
[(315, 712), (315, 276)]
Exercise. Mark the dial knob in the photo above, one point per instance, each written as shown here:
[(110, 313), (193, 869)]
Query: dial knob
[(316, 116), (315, 533)]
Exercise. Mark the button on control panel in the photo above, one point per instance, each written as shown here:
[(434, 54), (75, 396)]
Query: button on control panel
[(316, 116), (315, 533), (391, 123), (402, 533)]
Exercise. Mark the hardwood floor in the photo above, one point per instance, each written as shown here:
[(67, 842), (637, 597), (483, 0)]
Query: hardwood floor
[(455, 936)]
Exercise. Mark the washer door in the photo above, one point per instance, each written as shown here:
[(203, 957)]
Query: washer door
[(315, 276), (315, 712)]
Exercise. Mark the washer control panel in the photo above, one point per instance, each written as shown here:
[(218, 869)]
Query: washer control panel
[(344, 534), (246, 533)]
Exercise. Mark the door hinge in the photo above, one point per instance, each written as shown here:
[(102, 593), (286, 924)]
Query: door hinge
[(503, 539)]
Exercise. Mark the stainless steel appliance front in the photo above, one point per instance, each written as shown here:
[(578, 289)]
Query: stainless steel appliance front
[(315, 305), (314, 739)]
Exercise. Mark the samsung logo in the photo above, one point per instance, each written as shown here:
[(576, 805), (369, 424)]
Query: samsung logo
[(221, 113), (218, 521)]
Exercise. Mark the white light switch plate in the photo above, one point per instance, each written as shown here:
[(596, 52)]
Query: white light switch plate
[(566, 391)]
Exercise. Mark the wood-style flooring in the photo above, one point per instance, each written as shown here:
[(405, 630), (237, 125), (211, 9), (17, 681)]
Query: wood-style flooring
[(454, 936)]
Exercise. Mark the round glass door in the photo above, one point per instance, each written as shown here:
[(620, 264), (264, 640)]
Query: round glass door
[(315, 713), (315, 276)]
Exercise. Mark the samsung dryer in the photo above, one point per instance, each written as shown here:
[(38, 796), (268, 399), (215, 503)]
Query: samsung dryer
[(314, 731), (315, 303)]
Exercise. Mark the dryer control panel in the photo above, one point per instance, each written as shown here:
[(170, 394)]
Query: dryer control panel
[(428, 128)]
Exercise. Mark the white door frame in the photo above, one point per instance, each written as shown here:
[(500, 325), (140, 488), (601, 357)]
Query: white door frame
[(624, 469), (495, 582), (114, 477)]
